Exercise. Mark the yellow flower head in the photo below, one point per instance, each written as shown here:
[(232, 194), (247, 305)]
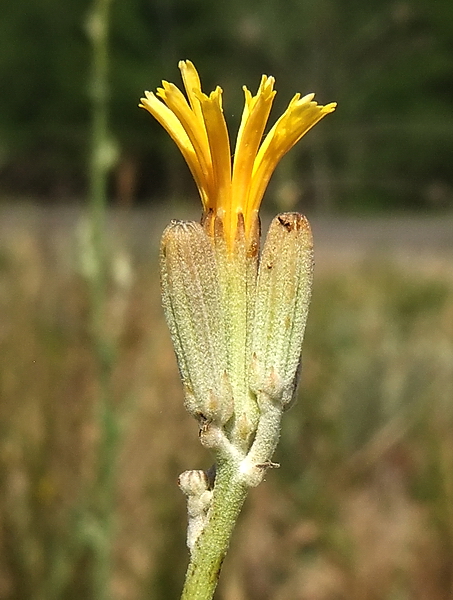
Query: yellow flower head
[(198, 127)]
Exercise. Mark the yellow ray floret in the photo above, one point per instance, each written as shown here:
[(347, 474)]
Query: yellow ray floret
[(198, 127)]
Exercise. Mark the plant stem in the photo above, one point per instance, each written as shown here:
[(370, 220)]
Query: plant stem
[(100, 164), (98, 30), (211, 547)]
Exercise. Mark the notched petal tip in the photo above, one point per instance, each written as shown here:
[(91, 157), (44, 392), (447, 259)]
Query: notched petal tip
[(187, 65), (214, 97), (307, 98), (266, 85), (329, 108), (145, 101)]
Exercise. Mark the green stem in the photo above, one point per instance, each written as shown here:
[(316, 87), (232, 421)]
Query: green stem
[(100, 165), (98, 31), (211, 547)]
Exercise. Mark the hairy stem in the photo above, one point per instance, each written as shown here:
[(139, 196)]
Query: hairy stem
[(212, 545)]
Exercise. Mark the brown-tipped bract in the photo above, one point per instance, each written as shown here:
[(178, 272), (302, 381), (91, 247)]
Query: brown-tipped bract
[(281, 306)]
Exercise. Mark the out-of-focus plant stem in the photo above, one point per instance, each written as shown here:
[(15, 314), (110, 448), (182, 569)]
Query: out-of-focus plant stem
[(101, 160)]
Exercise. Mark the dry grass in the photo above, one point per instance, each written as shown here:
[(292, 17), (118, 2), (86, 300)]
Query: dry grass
[(362, 507)]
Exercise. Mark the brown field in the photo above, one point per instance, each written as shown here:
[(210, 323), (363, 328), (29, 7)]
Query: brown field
[(93, 434)]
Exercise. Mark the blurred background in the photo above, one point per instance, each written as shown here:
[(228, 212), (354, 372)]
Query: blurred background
[(93, 433)]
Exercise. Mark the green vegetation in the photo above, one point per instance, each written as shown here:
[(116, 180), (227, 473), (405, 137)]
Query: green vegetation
[(389, 65), (361, 506)]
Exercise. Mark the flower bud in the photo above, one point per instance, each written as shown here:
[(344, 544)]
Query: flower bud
[(191, 301), (194, 483), (281, 307), (197, 487)]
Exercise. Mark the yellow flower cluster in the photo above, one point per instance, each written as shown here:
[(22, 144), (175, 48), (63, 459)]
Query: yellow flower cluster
[(197, 125)]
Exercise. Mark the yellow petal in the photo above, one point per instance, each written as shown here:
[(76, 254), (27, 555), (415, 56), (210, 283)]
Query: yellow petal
[(300, 116), (192, 86), (254, 119), (168, 119), (219, 144), (194, 128)]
